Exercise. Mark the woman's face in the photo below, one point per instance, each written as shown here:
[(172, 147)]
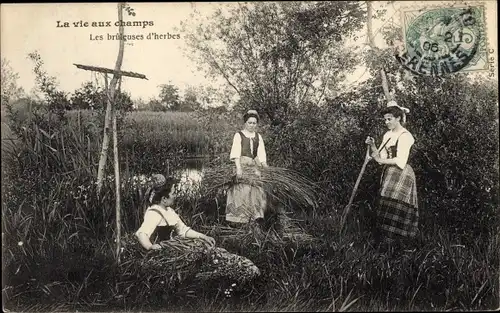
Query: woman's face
[(251, 124), (168, 201), (390, 121)]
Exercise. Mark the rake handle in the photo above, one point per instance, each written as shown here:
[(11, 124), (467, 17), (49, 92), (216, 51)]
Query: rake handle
[(348, 207), (367, 159)]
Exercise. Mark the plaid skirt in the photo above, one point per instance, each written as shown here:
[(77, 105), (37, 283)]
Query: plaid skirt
[(397, 213)]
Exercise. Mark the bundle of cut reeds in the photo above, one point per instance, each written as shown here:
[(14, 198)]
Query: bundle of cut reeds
[(281, 183), (181, 259), (288, 230)]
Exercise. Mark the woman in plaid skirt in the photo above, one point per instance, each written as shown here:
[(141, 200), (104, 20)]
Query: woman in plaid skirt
[(397, 213)]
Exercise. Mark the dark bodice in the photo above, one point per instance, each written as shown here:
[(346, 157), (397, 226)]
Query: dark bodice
[(245, 145), (162, 233), (392, 151)]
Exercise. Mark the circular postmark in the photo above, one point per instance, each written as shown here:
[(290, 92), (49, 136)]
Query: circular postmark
[(442, 41)]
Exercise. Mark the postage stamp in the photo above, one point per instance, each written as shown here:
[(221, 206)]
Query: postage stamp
[(444, 40)]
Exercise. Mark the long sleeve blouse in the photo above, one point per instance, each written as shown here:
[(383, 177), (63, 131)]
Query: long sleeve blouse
[(404, 140), (236, 147)]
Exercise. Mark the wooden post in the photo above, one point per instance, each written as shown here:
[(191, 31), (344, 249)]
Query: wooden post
[(112, 93), (371, 42), (117, 184), (111, 110), (105, 139)]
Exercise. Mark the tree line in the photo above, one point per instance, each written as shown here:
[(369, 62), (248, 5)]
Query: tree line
[(90, 96)]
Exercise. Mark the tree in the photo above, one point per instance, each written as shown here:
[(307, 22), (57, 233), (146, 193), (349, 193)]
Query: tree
[(57, 100), (89, 97), (10, 91), (278, 56), (371, 42), (155, 105), (169, 96), (139, 104), (190, 101)]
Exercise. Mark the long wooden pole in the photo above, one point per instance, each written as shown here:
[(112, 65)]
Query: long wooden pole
[(112, 94), (105, 140), (117, 184), (371, 42), (348, 206)]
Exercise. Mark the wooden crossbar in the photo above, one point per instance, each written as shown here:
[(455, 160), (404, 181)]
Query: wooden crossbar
[(110, 71)]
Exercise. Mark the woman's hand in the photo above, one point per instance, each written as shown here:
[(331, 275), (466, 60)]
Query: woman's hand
[(208, 239), (155, 247), (370, 141), (239, 172)]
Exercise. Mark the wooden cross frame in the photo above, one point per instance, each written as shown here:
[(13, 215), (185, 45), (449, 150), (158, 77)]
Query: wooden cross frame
[(111, 108), (110, 71)]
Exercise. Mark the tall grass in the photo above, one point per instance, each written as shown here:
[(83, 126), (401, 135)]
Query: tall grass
[(58, 240), (158, 141)]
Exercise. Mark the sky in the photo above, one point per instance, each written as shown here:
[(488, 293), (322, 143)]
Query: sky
[(29, 27)]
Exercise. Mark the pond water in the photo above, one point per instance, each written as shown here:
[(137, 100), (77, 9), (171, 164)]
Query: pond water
[(190, 171), (190, 178)]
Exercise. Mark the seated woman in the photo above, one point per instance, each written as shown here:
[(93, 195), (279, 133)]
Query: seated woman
[(160, 217), (189, 249)]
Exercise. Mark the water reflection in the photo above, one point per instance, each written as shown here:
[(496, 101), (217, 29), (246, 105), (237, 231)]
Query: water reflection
[(190, 174), (190, 179)]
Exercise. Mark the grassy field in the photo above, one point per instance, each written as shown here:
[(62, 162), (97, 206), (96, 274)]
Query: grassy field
[(58, 241)]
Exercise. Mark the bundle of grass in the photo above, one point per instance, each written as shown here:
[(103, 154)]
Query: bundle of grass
[(273, 232), (279, 183), (291, 231), (181, 261)]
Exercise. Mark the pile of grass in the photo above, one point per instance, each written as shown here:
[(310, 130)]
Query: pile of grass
[(182, 262), (254, 234), (281, 184)]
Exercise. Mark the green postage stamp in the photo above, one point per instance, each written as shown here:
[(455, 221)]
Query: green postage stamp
[(444, 40)]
